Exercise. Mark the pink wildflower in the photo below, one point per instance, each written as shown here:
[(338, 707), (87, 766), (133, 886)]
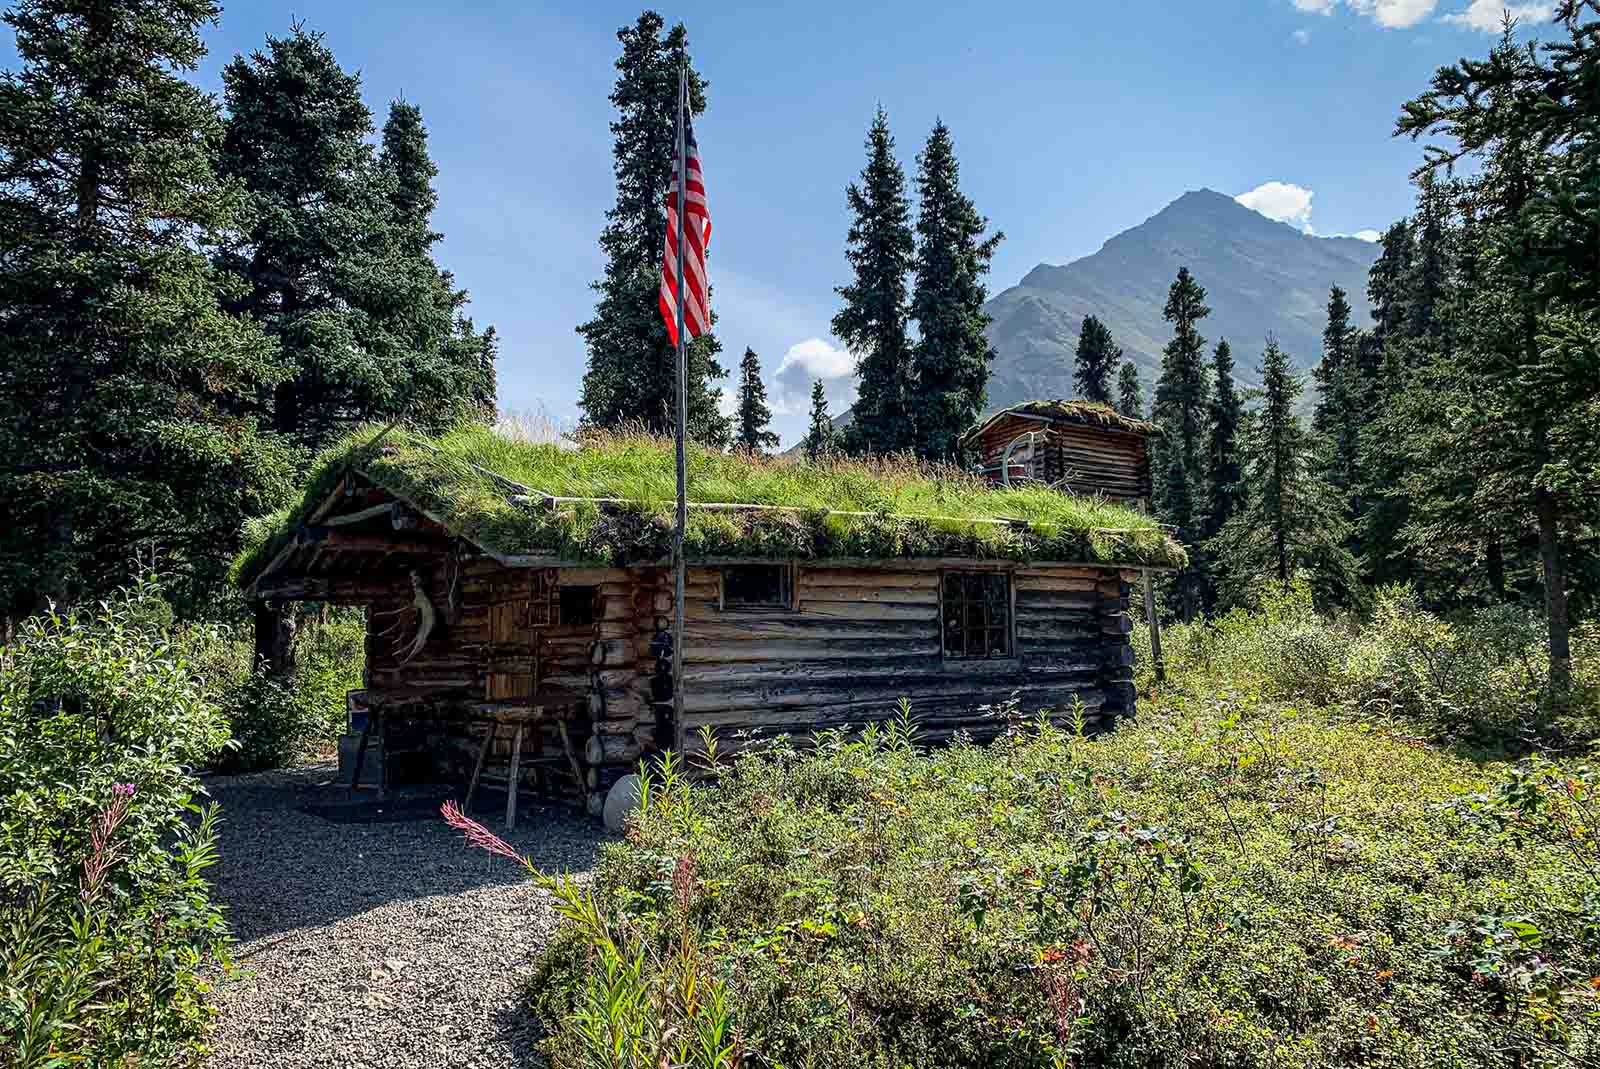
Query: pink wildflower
[(102, 851), (476, 834)]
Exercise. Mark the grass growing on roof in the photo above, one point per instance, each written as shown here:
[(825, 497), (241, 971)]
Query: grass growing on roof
[(911, 510)]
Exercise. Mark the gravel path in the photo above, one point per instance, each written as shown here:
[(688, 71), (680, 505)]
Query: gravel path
[(372, 935)]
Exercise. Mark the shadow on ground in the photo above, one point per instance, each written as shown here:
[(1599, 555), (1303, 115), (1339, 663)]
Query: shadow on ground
[(298, 851)]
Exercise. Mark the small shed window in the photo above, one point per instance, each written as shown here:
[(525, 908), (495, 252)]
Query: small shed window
[(977, 615), (577, 606), (757, 586)]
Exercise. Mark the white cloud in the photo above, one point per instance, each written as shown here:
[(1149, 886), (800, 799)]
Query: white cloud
[(1396, 14), (1485, 15), (1283, 201), (1393, 14), (818, 357), (1286, 202), (1301, 37), (814, 358)]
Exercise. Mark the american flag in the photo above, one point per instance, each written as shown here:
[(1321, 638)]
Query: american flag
[(696, 236)]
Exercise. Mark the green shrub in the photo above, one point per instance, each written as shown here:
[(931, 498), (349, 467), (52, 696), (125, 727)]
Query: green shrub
[(274, 723), (1226, 883), (107, 926), (1478, 679)]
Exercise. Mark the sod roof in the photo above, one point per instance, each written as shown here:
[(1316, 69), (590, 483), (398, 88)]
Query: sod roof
[(1087, 413), (611, 502)]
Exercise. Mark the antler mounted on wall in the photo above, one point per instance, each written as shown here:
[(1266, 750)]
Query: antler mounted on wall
[(418, 614)]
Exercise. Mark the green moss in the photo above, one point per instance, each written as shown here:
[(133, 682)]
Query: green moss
[(909, 510)]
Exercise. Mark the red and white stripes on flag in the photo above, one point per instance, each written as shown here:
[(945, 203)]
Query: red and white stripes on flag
[(696, 236)]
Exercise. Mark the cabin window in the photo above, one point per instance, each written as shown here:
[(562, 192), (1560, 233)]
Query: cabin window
[(977, 615), (577, 606), (758, 586)]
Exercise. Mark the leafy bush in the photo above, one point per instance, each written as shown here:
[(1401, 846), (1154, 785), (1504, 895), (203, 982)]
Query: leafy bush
[(274, 723), (1478, 679), (108, 927), (1226, 883)]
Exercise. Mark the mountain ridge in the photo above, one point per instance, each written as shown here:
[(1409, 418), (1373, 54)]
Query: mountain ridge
[(1260, 275)]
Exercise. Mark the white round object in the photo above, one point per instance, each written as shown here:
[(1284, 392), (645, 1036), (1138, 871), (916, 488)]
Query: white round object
[(622, 800)]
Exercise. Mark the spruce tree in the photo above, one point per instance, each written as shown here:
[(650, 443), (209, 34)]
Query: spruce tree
[(1180, 404), (949, 385), (754, 415), (1388, 284), (408, 172), (1180, 409), (1097, 357), (337, 254), (819, 436), (632, 372), (126, 394), (1224, 470), (1291, 522), (1130, 393), (1518, 376), (1343, 401), (1337, 354), (872, 323)]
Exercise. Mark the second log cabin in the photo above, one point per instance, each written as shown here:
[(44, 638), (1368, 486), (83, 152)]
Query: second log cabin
[(510, 579)]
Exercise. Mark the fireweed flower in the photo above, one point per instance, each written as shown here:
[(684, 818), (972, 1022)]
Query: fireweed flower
[(103, 852), (477, 834)]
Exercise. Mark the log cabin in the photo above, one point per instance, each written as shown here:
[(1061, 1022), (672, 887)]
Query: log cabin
[(1074, 446), (520, 598)]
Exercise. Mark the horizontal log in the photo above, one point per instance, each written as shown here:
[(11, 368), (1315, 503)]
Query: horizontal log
[(869, 610), (852, 579), (612, 750), (1045, 601), (977, 687), (1056, 628), (950, 709), (700, 651), (1033, 583), (824, 596), (333, 538), (760, 627), (622, 727), (889, 663), (611, 652), (612, 678)]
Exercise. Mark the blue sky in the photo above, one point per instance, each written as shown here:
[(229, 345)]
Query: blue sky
[(1072, 121)]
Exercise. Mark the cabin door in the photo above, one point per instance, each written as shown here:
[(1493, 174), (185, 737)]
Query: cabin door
[(522, 607)]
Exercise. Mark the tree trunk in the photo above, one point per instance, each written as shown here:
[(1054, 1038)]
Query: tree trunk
[(1495, 563), (274, 635), (1555, 582)]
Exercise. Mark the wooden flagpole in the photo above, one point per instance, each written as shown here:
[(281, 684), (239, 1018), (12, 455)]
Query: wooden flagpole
[(682, 429)]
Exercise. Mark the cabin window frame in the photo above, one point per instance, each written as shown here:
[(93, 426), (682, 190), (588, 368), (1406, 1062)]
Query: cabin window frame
[(785, 603), (962, 660)]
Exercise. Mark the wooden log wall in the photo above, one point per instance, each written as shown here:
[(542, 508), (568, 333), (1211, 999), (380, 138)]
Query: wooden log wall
[(481, 655), (861, 639), (855, 642)]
